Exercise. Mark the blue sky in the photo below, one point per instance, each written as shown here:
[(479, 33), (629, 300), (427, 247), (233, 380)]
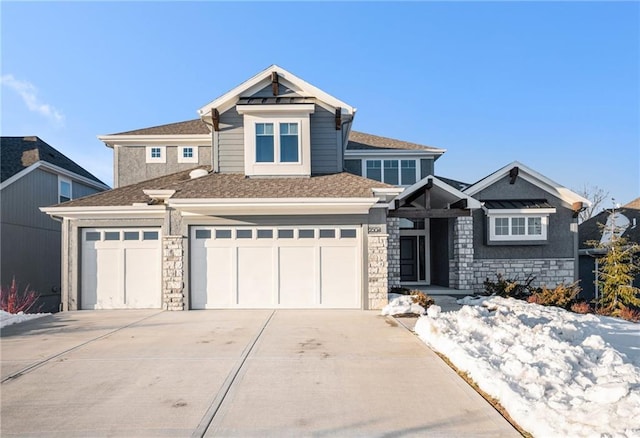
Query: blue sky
[(554, 85)]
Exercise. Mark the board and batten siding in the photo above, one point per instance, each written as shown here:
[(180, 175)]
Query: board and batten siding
[(231, 142), (326, 153)]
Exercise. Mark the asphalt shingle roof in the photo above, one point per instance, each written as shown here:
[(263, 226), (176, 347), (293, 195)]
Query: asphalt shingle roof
[(234, 185), (362, 141), (502, 204), (189, 127), (18, 153)]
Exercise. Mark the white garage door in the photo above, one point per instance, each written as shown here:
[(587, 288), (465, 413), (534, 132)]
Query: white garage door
[(275, 267), (121, 268)]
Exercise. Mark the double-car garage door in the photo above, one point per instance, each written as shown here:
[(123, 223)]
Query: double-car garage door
[(275, 267)]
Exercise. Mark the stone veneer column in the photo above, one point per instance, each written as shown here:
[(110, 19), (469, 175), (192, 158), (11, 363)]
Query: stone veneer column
[(172, 273), (461, 267), (378, 270), (393, 251)]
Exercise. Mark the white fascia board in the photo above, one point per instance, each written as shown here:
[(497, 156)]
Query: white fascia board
[(532, 177), (107, 212), (518, 211), (471, 202), (272, 206), (306, 108), (55, 169), (229, 99), (387, 194), (386, 153), (156, 140)]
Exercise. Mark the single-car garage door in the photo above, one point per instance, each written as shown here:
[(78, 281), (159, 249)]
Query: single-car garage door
[(276, 267), (121, 268)]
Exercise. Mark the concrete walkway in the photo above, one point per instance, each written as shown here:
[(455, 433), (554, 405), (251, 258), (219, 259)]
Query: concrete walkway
[(231, 373)]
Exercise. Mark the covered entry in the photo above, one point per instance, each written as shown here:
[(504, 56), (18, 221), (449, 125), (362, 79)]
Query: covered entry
[(120, 268), (276, 267)]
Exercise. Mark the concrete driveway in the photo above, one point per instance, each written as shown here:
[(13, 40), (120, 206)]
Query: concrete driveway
[(231, 373)]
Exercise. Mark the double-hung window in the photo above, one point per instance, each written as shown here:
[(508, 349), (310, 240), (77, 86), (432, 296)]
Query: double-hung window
[(64, 189), (396, 172), (277, 142)]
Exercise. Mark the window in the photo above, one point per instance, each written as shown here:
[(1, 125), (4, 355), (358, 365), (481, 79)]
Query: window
[(327, 234), (285, 234), (348, 234), (244, 234), (203, 234), (153, 235), (279, 140), (156, 154), (187, 154), (112, 235), (223, 234), (265, 234), (306, 234), (131, 235), (64, 189), (518, 227), (396, 172)]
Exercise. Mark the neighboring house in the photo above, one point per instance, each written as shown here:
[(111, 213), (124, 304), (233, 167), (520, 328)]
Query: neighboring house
[(625, 221), (35, 175), (288, 207)]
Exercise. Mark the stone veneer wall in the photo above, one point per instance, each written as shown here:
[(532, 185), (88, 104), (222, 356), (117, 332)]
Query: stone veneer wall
[(549, 272), (461, 266), (172, 273), (377, 245), (393, 251)]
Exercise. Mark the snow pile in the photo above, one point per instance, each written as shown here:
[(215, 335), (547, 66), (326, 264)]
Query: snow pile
[(7, 318), (557, 373), (402, 305)]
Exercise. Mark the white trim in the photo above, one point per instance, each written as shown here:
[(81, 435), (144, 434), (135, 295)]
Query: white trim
[(62, 179), (270, 109), (272, 206), (368, 153), (53, 168), (152, 140), (161, 159), (255, 83), (183, 159), (471, 202), (107, 212), (532, 177)]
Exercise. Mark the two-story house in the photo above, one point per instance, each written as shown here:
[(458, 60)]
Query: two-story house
[(35, 174), (270, 199)]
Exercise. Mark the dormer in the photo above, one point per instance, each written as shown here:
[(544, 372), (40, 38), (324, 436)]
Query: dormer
[(287, 127)]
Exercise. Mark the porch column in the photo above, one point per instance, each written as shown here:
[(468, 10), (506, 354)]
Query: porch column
[(461, 266), (377, 245), (393, 251), (172, 273)]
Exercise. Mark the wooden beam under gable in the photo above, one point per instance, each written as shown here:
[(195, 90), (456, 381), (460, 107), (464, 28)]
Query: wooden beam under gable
[(215, 118), (419, 213), (513, 174), (338, 118), (274, 83)]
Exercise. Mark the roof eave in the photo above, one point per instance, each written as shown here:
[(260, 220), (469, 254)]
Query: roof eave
[(157, 139)]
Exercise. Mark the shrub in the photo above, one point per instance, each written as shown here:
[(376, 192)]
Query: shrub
[(12, 301), (560, 296), (400, 290), (421, 298), (581, 307), (629, 314), (506, 287)]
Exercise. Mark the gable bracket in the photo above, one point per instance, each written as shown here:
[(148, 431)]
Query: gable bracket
[(513, 174), (577, 207), (338, 118), (274, 83), (215, 117)]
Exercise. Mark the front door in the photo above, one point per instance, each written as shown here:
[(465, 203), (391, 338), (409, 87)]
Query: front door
[(408, 258)]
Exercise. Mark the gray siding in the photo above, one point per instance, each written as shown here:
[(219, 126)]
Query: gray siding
[(132, 167), (426, 167), (282, 91), (231, 142), (326, 156), (30, 240), (80, 190), (353, 166), (560, 238)]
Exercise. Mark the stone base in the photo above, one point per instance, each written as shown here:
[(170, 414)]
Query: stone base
[(547, 272)]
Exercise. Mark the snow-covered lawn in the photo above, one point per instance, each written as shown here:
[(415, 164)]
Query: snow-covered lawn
[(7, 318), (557, 373)]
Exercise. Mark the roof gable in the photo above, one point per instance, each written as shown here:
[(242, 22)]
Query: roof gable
[(188, 127), (20, 153), (531, 176), (360, 141), (257, 83)]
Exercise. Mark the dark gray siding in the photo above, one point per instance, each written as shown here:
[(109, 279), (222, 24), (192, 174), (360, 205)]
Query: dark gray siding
[(231, 142), (80, 190), (560, 238), (353, 166), (439, 241), (426, 167), (132, 166), (326, 157)]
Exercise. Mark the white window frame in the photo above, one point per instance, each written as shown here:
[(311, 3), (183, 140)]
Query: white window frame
[(62, 179), (163, 154), (542, 213), (183, 159), (399, 160)]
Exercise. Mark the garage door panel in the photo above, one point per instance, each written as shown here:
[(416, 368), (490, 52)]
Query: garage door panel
[(219, 278), (297, 277), (142, 278), (255, 277), (108, 289), (338, 268)]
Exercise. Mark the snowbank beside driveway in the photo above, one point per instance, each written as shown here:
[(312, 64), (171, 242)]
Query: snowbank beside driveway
[(402, 305), (557, 373), (7, 318)]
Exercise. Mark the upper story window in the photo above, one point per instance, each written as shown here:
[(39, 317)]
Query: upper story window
[(277, 142), (396, 172), (156, 154), (187, 154), (64, 189)]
